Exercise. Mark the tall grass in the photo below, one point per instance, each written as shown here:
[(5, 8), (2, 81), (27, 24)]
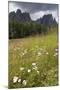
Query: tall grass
[(36, 49)]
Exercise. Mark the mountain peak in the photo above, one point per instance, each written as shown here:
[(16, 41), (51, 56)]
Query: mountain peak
[(18, 11), (47, 20), (24, 17)]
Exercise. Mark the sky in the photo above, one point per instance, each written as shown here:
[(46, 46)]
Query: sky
[(36, 10)]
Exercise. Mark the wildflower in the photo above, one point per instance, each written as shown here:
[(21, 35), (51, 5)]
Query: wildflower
[(47, 53), (33, 64), (29, 70), (56, 50), (56, 54), (22, 68), (24, 82), (37, 72), (23, 54), (15, 79), (39, 53), (19, 80), (35, 67)]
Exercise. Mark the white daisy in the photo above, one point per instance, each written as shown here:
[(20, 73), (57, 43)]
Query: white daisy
[(24, 82), (56, 49), (35, 68), (23, 54), (56, 54), (47, 53), (19, 80), (37, 72), (15, 78), (33, 64), (29, 70), (39, 53), (22, 68)]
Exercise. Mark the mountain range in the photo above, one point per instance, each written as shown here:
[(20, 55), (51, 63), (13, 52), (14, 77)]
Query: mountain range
[(18, 16)]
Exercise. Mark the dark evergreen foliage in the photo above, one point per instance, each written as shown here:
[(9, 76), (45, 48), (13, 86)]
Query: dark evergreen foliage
[(21, 25)]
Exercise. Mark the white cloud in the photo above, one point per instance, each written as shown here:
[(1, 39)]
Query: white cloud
[(11, 7), (40, 14), (36, 15)]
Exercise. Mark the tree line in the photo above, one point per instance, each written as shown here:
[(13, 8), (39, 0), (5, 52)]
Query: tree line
[(20, 29)]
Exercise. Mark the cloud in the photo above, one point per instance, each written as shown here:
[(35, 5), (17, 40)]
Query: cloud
[(36, 10), (40, 14), (33, 7)]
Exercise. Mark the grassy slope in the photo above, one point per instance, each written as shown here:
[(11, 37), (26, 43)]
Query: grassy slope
[(47, 64)]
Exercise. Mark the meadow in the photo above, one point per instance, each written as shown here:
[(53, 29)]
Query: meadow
[(33, 61)]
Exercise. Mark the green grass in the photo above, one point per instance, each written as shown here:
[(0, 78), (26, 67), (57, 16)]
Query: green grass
[(47, 65)]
